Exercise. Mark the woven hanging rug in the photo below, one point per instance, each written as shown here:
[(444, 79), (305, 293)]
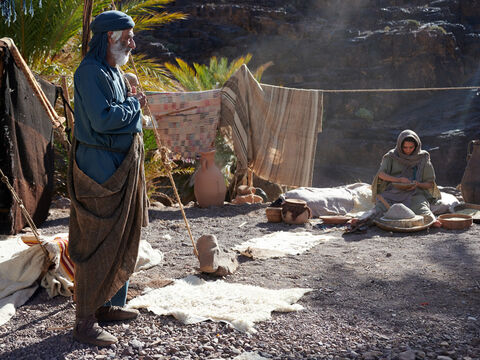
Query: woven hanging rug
[(187, 121)]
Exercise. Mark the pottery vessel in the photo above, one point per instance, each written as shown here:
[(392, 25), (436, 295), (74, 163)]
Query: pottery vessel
[(295, 211), (456, 221), (274, 214), (209, 187)]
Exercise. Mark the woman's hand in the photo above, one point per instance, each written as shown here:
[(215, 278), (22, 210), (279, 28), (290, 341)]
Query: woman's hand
[(404, 180), (425, 185)]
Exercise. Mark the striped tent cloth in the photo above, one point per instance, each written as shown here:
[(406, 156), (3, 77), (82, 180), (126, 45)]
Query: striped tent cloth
[(60, 246), (186, 121), (274, 128)]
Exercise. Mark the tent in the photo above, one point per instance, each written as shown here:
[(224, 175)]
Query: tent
[(26, 144)]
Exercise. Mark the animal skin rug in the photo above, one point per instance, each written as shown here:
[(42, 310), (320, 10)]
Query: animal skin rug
[(280, 243), (191, 300)]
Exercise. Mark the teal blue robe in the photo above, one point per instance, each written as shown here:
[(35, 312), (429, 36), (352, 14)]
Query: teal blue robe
[(104, 117)]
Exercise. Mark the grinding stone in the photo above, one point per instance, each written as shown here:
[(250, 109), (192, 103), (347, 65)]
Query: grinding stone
[(399, 212), (417, 220)]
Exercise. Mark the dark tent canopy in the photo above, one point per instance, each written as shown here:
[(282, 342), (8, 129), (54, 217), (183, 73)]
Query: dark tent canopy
[(26, 146)]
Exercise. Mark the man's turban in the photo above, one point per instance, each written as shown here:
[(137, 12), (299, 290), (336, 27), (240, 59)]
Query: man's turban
[(112, 20)]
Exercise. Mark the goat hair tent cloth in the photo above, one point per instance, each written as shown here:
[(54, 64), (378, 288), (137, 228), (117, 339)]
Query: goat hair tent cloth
[(274, 128), (187, 121)]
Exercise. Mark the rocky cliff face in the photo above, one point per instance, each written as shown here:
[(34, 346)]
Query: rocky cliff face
[(355, 44)]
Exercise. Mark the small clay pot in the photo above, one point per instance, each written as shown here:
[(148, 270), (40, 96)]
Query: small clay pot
[(274, 214), (296, 212)]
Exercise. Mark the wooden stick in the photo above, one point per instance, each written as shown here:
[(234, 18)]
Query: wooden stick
[(67, 98), (166, 161), (37, 90), (250, 177), (383, 201), (176, 111)]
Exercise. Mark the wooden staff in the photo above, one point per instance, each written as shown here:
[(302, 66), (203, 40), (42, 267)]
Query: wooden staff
[(67, 98), (167, 164)]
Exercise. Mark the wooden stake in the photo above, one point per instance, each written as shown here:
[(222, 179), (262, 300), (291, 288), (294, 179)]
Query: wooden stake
[(67, 98), (383, 201)]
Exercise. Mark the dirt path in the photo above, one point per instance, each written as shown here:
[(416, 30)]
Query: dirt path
[(377, 295)]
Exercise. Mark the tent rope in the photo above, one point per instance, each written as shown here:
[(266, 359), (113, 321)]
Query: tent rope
[(47, 262), (402, 90)]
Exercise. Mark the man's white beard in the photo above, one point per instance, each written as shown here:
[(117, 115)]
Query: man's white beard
[(120, 53)]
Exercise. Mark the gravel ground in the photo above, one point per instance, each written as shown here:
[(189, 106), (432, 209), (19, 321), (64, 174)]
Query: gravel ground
[(378, 295)]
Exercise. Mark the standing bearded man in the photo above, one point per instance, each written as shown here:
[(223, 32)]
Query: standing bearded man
[(106, 180)]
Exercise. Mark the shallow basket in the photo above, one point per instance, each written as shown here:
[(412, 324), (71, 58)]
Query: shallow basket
[(455, 221), (274, 214)]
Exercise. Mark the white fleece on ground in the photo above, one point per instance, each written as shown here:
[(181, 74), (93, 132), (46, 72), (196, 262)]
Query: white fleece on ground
[(280, 243), (191, 300)]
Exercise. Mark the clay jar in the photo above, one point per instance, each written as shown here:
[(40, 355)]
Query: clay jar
[(295, 211), (209, 187)]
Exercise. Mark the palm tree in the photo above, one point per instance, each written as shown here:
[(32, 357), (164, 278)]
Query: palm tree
[(211, 76), (49, 36), (50, 39), (42, 36)]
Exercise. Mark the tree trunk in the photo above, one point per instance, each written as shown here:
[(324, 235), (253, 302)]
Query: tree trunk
[(87, 19)]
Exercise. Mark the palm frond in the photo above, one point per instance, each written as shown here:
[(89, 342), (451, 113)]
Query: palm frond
[(184, 74), (148, 14), (261, 69), (203, 77), (48, 31), (152, 75)]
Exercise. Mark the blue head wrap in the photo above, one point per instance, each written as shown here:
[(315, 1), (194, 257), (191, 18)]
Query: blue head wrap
[(112, 20)]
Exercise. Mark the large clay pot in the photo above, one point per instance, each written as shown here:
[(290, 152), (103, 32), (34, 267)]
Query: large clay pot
[(471, 177), (295, 211), (209, 184)]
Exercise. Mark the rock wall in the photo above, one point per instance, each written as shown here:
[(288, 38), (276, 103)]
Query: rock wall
[(355, 44)]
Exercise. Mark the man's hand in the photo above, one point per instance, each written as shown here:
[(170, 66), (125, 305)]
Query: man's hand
[(140, 97)]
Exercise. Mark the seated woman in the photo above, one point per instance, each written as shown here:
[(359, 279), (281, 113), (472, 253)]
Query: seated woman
[(407, 163)]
